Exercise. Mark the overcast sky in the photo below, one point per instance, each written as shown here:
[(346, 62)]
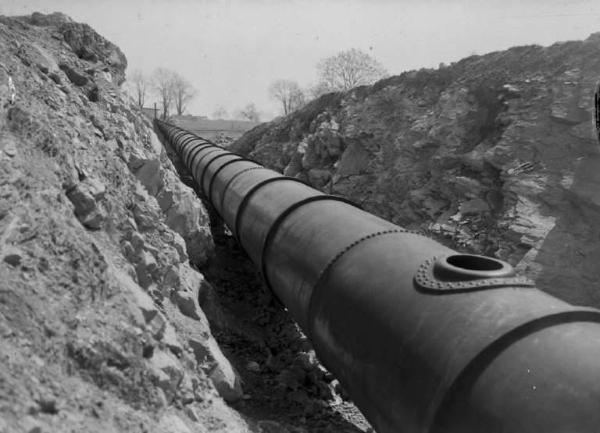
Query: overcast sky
[(231, 50)]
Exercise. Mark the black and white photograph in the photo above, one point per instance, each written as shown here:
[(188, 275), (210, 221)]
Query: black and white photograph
[(299, 216)]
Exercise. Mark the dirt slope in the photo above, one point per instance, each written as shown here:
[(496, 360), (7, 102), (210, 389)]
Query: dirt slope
[(494, 154), (101, 244), (100, 329)]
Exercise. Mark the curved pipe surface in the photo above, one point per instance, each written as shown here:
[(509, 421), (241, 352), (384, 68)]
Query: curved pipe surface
[(423, 338)]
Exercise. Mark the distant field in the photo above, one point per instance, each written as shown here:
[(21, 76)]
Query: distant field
[(212, 129)]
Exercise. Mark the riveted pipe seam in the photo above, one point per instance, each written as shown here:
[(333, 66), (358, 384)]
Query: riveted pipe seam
[(187, 139), (190, 139), (275, 225), (185, 146), (176, 135), (234, 178), (198, 164), (195, 153), (332, 336), (179, 135), (185, 149), (173, 134), (216, 173), (406, 356), (192, 151), (215, 166), (189, 161), (199, 155), (221, 183), (206, 166), (441, 406), (355, 243), (253, 190)]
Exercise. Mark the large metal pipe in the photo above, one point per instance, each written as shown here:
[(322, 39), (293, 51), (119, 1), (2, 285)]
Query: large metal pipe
[(423, 338)]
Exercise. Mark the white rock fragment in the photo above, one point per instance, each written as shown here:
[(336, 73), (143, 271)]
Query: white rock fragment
[(166, 371), (172, 423), (220, 371), (142, 300), (169, 338), (12, 90)]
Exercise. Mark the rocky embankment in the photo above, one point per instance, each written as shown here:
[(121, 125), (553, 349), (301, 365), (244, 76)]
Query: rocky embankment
[(494, 154), (104, 313), (100, 327)]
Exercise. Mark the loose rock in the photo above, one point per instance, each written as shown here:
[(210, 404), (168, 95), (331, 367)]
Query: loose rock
[(219, 370), (171, 423), (167, 371), (73, 75), (13, 258)]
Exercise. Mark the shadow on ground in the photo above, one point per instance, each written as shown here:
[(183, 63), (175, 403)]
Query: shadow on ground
[(283, 381)]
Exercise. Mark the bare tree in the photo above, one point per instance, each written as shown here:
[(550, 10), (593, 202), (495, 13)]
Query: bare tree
[(349, 69), (319, 89), (220, 113), (162, 83), (183, 92), (139, 87), (288, 93), (249, 112)]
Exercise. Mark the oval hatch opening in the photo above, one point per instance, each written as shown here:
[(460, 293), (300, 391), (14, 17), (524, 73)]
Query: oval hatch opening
[(474, 263)]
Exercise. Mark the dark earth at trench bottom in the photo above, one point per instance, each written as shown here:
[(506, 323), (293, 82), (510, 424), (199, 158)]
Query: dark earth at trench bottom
[(282, 379)]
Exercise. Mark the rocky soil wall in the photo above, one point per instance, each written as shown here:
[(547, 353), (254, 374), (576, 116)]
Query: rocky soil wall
[(110, 274), (100, 327), (495, 154)]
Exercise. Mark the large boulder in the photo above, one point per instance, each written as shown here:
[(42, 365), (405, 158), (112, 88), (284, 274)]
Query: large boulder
[(89, 45)]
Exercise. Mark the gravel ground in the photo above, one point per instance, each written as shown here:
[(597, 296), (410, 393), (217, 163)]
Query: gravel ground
[(282, 377)]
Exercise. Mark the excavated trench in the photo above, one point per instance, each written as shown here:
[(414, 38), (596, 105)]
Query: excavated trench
[(282, 379)]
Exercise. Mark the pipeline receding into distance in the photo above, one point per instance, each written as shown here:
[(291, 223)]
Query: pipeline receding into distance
[(423, 338)]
